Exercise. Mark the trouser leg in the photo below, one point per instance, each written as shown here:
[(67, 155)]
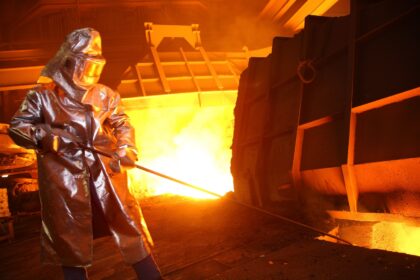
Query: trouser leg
[(74, 273), (147, 269)]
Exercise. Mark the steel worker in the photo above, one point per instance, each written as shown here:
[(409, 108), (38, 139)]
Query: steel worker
[(83, 195)]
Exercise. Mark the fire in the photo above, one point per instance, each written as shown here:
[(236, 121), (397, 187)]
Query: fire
[(189, 143), (397, 237)]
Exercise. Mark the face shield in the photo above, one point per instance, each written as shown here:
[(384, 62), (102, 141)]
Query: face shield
[(88, 70), (78, 64)]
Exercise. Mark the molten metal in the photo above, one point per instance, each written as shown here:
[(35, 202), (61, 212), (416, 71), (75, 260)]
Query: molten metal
[(190, 142), (397, 237)]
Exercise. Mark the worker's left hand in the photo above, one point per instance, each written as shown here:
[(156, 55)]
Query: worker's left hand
[(123, 158), (56, 140)]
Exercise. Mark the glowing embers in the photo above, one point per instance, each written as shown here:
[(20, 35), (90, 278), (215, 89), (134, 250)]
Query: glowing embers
[(190, 143), (397, 237), (393, 233)]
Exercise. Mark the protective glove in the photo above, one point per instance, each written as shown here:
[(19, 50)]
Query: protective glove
[(54, 139), (123, 158)]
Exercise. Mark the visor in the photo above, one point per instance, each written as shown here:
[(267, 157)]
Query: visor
[(89, 70)]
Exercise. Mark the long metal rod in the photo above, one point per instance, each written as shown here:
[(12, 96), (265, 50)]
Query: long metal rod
[(106, 154)]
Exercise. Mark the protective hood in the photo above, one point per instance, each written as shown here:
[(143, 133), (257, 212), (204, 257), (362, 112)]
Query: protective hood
[(77, 65)]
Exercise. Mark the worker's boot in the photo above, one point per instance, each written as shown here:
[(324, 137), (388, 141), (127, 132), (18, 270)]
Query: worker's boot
[(147, 269), (74, 273)]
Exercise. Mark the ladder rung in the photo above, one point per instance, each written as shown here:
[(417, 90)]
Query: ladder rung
[(145, 64), (128, 81), (150, 80), (172, 62), (203, 77), (179, 78)]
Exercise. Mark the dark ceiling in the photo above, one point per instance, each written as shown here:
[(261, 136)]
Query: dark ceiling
[(224, 25), (32, 30)]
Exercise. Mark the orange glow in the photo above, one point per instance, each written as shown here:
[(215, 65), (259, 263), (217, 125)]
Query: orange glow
[(400, 235), (397, 237), (190, 143)]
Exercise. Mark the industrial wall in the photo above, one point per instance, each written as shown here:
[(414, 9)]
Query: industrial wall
[(334, 112)]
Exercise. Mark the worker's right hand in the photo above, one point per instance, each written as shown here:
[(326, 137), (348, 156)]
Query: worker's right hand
[(54, 139), (123, 158)]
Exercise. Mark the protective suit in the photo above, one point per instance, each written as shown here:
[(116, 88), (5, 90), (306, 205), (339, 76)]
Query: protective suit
[(65, 108)]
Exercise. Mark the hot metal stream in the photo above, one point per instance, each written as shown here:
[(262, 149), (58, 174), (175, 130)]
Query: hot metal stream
[(106, 154)]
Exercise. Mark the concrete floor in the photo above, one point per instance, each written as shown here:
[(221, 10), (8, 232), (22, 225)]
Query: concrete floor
[(215, 240)]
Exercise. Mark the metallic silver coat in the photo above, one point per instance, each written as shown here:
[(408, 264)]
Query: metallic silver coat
[(95, 117)]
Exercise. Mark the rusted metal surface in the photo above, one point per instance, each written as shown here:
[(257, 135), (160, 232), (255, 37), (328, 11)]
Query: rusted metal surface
[(372, 217), (396, 23), (389, 176), (249, 130), (353, 134), (374, 177)]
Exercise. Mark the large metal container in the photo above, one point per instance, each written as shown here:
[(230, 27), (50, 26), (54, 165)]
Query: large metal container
[(341, 111)]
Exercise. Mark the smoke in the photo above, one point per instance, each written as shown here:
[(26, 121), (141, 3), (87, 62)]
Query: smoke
[(239, 31)]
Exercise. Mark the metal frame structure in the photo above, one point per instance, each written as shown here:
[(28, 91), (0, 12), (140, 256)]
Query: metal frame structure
[(352, 112), (347, 169), (178, 71), (292, 122)]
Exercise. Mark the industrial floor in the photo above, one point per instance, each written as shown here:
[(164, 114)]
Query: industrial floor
[(214, 239)]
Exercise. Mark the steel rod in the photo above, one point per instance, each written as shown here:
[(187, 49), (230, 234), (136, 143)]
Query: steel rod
[(106, 154)]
